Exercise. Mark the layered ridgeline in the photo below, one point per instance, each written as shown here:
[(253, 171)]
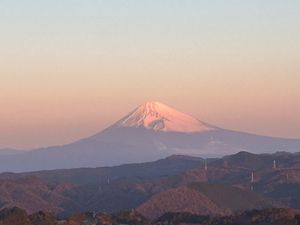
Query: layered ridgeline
[(150, 132), (174, 184)]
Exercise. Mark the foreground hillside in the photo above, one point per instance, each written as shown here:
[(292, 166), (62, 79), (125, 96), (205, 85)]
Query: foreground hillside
[(154, 188), (203, 199), (107, 189), (17, 216)]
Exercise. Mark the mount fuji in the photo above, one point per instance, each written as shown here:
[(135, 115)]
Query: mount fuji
[(151, 131), (159, 117)]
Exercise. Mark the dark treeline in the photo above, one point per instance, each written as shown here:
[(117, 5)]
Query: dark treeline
[(17, 216)]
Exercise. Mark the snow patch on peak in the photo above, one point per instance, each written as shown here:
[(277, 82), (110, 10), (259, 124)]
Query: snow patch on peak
[(160, 117)]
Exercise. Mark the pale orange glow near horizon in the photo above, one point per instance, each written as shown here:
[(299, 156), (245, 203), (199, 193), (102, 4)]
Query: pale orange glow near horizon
[(35, 117), (65, 76)]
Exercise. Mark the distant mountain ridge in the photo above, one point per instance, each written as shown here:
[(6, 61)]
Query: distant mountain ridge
[(10, 151), (150, 132)]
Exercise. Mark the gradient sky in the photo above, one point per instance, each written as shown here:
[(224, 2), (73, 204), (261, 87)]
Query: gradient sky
[(69, 68)]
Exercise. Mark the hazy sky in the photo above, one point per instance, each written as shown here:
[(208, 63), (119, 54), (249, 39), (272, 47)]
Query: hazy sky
[(69, 68)]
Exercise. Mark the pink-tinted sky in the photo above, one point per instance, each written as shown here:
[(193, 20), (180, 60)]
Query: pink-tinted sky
[(70, 68)]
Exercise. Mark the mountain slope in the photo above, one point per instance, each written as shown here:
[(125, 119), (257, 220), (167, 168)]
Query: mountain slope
[(9, 151), (202, 199), (32, 194), (170, 166), (150, 132), (226, 184), (107, 189)]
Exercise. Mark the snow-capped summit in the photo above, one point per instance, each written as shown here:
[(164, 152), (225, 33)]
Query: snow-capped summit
[(131, 140), (160, 117)]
